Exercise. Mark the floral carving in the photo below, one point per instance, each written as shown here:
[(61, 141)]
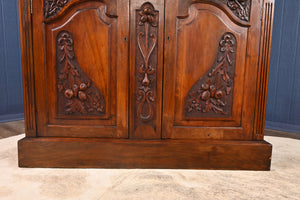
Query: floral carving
[(146, 41), (212, 94), (76, 92), (52, 7), (241, 8)]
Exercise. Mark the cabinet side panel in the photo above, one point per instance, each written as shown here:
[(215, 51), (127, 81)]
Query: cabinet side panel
[(263, 69), (27, 67)]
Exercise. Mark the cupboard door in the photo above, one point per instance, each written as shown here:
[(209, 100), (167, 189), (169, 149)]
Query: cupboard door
[(210, 68), (81, 67)]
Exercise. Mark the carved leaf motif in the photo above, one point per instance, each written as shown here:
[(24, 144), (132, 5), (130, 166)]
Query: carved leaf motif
[(52, 7), (240, 8), (146, 73), (76, 92), (212, 95)]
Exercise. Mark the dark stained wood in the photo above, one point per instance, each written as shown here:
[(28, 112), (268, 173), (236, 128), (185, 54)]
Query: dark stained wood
[(181, 154), (145, 84)]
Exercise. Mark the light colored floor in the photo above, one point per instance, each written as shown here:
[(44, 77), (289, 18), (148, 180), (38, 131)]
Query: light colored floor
[(8, 129), (282, 182)]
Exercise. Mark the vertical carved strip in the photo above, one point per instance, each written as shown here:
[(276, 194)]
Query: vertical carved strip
[(28, 70), (146, 63), (264, 62)]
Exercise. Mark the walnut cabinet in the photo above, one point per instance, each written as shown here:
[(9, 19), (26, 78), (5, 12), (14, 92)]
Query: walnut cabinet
[(145, 84)]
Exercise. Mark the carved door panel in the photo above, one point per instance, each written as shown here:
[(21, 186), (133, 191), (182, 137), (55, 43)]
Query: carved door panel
[(146, 67), (81, 67), (206, 70)]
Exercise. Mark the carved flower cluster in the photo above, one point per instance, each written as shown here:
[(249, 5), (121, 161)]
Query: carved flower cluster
[(212, 97), (148, 15), (80, 94), (77, 91)]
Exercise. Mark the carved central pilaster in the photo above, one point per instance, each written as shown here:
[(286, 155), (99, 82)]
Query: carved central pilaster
[(146, 62)]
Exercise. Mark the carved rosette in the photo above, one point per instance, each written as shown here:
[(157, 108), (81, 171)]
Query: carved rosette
[(77, 94), (211, 96), (146, 61), (241, 8), (52, 7)]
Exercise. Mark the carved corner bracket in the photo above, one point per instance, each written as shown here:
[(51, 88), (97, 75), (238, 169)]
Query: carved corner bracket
[(146, 61), (77, 94), (52, 7), (211, 96), (241, 8)]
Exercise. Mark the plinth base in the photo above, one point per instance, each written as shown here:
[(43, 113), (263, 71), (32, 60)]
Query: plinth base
[(159, 154)]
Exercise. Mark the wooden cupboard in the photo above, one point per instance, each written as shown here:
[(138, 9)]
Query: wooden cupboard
[(145, 84)]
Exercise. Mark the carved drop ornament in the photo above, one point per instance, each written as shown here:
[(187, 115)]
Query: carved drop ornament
[(77, 94), (211, 96), (147, 22)]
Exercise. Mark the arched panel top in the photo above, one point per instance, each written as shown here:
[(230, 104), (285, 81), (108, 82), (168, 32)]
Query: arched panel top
[(53, 9), (100, 8), (237, 10), (219, 17)]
